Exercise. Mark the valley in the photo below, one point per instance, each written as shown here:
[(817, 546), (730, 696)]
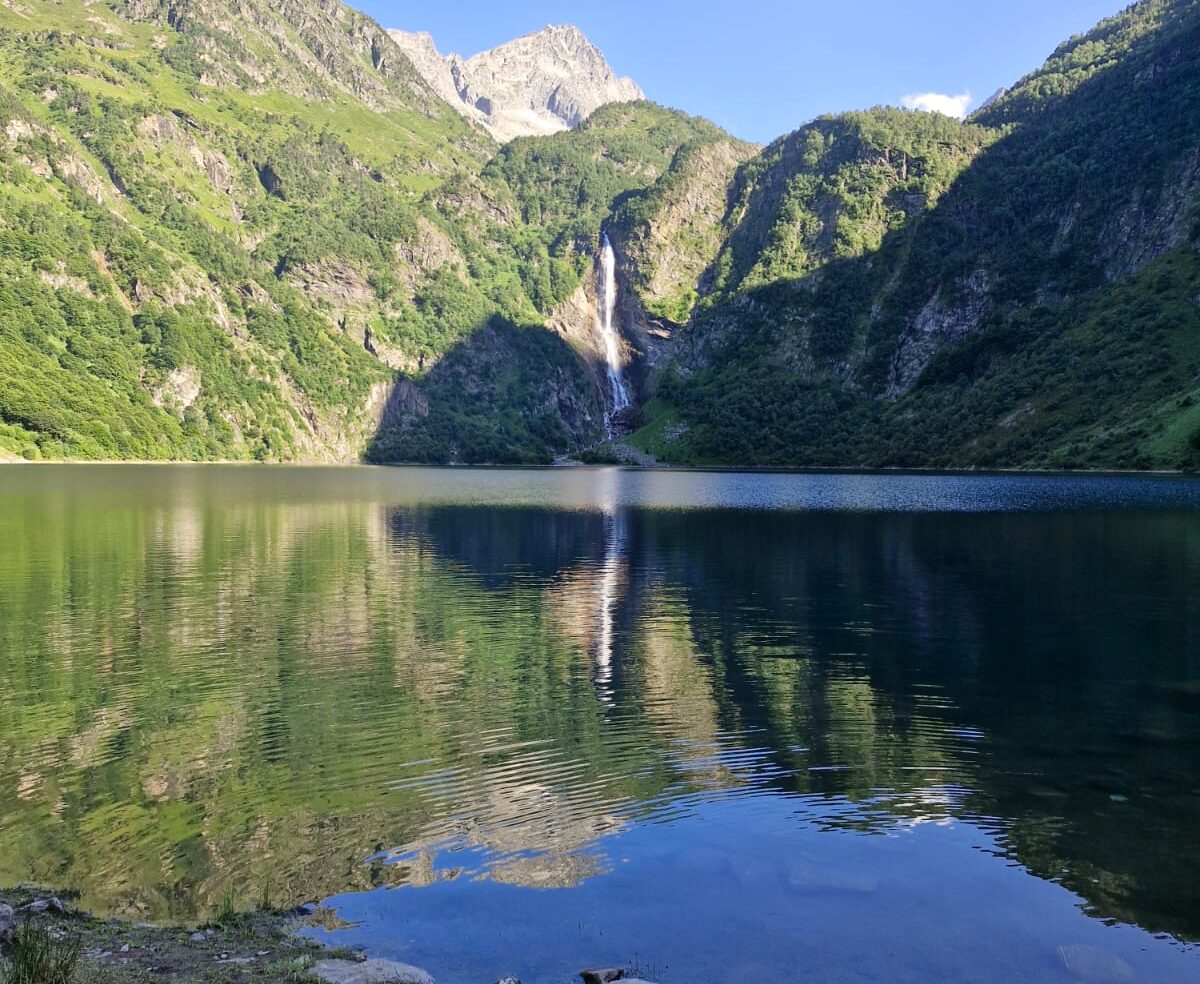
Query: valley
[(285, 234)]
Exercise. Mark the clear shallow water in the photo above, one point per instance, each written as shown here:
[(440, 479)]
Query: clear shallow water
[(733, 727)]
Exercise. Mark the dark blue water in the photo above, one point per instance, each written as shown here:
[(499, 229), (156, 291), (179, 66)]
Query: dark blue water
[(719, 727)]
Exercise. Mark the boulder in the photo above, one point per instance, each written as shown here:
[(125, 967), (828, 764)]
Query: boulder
[(370, 972), (57, 906), (1092, 965), (8, 920)]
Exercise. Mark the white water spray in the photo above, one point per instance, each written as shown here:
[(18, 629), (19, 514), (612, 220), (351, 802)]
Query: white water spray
[(605, 312)]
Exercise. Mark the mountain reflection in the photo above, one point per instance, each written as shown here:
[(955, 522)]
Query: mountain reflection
[(209, 695)]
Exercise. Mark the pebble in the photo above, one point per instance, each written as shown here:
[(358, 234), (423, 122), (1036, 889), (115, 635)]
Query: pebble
[(125, 948), (369, 972), (197, 937)]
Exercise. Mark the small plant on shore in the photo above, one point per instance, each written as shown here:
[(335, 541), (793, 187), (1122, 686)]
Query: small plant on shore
[(35, 957), (324, 917), (296, 971), (227, 915)]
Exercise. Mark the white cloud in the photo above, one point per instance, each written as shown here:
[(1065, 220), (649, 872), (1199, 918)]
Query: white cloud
[(938, 102)]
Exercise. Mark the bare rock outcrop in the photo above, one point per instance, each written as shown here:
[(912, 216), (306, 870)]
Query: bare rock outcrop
[(539, 84)]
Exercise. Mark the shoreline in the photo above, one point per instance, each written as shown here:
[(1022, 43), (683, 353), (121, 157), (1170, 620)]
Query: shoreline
[(262, 946), (665, 468)]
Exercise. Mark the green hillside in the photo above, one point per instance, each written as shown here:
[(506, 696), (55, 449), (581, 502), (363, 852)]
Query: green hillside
[(1009, 292), (232, 232)]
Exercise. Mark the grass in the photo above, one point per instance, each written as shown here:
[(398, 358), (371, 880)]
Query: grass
[(660, 422), (35, 957), (227, 915), (77, 948), (324, 917)]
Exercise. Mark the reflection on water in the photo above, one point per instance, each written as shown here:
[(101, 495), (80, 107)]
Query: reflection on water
[(704, 706)]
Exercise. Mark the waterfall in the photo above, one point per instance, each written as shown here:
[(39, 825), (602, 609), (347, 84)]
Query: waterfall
[(606, 307)]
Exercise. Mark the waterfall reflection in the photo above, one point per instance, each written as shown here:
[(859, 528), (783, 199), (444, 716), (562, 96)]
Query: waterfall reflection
[(611, 577), (222, 689)]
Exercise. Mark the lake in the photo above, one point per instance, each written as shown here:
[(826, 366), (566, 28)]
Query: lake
[(728, 728)]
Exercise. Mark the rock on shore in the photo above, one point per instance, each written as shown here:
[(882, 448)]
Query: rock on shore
[(370, 972)]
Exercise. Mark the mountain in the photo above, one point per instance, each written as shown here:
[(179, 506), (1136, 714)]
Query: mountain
[(244, 231), (1019, 290), (539, 84), (233, 231)]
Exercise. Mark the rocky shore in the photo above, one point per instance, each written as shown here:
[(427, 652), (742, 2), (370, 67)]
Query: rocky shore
[(265, 946)]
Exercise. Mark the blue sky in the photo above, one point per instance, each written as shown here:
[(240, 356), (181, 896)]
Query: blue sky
[(760, 68)]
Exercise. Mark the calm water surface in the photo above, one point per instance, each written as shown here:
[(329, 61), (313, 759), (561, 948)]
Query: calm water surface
[(739, 729)]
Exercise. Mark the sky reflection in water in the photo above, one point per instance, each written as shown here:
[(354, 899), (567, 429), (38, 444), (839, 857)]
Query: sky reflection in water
[(840, 728)]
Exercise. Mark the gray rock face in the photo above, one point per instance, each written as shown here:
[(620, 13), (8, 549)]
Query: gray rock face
[(370, 972), (539, 84), (7, 921)]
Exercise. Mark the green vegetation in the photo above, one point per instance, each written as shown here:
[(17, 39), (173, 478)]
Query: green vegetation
[(567, 186), (74, 947), (214, 246), (35, 957), (1013, 396), (905, 290)]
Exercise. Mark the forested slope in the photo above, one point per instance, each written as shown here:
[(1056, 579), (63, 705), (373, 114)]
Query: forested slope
[(233, 231), (1019, 290)]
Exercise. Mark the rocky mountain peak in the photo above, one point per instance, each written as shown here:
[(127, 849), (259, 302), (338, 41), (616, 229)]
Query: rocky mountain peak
[(538, 84)]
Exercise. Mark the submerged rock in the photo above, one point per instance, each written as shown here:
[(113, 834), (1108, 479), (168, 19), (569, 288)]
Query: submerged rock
[(370, 972), (509, 980), (602, 976), (1093, 965)]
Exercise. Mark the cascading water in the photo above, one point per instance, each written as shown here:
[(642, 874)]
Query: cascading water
[(606, 309)]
